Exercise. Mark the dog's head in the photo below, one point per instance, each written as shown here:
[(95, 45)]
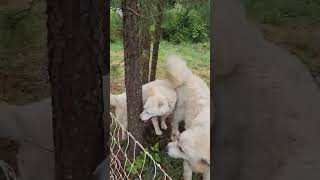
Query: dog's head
[(192, 147), (156, 105)]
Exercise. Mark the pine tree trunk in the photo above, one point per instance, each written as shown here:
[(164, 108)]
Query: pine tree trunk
[(105, 69), (145, 54), (74, 33), (156, 43), (132, 68)]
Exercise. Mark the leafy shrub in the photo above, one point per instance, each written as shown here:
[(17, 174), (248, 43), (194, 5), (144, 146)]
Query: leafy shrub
[(115, 25), (184, 25), (144, 163)]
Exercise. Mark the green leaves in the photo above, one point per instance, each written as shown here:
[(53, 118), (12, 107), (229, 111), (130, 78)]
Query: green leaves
[(115, 25), (142, 162), (184, 24)]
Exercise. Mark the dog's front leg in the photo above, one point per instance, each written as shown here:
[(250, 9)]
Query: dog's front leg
[(175, 130), (187, 171), (155, 124), (163, 122), (206, 175)]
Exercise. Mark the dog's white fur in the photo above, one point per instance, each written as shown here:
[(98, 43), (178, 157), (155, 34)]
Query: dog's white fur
[(193, 106), (31, 127), (159, 99), (160, 103)]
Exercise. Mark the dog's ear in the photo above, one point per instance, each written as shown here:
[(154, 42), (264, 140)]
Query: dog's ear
[(205, 161)]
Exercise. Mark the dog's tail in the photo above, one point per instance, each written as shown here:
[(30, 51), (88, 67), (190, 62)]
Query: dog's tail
[(115, 100), (177, 70)]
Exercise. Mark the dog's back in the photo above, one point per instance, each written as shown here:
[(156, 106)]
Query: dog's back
[(193, 92)]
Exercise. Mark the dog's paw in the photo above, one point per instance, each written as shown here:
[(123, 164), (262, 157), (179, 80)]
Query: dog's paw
[(164, 126), (159, 133), (175, 136)]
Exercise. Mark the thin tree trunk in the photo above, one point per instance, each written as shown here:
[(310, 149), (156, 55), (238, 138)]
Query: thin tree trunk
[(157, 36), (145, 53), (76, 81), (105, 69), (132, 68), (104, 40)]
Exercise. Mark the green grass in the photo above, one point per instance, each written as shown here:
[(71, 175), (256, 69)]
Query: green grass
[(174, 167), (197, 57)]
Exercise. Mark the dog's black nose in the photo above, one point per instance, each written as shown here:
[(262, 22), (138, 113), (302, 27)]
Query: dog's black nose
[(167, 149)]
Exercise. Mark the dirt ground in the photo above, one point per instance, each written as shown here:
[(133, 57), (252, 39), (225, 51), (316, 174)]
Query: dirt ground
[(23, 75)]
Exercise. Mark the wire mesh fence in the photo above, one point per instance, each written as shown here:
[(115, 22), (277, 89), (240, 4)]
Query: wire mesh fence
[(6, 172), (142, 166)]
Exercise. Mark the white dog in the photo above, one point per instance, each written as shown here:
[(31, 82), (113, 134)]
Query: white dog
[(193, 106), (160, 103), (31, 127), (159, 99)]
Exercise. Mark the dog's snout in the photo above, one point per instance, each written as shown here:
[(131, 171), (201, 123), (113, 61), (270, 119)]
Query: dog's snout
[(167, 149), (140, 117)]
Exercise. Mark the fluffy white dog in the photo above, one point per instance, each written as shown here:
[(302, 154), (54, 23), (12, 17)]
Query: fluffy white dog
[(193, 106), (31, 127), (159, 99)]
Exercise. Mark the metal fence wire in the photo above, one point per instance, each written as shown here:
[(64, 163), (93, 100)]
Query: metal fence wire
[(143, 166), (6, 172)]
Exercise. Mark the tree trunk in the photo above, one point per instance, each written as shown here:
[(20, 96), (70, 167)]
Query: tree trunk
[(104, 40), (145, 53), (157, 35), (132, 68), (74, 34), (105, 69)]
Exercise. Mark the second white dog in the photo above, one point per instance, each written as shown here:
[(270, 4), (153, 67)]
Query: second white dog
[(159, 99), (193, 106)]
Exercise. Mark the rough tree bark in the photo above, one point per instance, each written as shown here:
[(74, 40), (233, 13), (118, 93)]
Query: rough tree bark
[(74, 34), (105, 69), (132, 69), (104, 40), (145, 53), (157, 35)]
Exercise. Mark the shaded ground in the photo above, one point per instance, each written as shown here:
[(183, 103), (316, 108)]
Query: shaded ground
[(302, 40)]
